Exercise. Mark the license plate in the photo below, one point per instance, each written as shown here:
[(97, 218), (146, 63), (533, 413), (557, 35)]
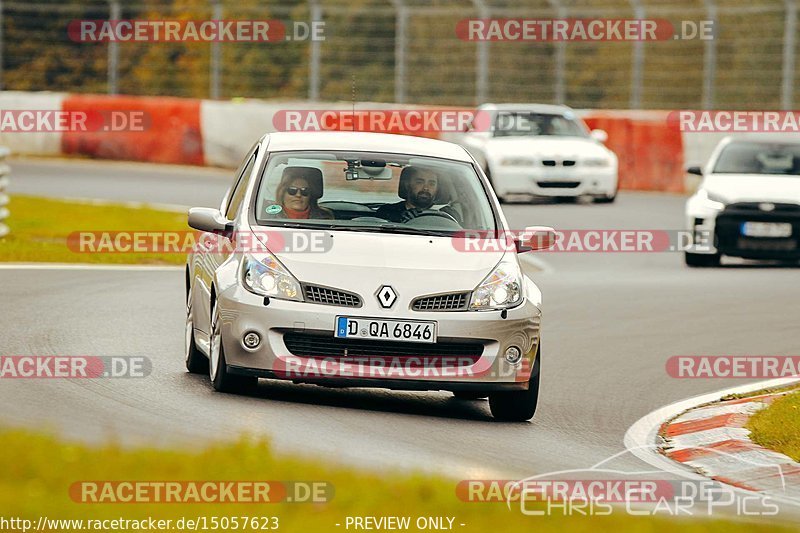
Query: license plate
[(386, 330), (767, 229)]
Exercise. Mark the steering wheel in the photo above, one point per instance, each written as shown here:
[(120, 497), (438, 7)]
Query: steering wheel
[(417, 213)]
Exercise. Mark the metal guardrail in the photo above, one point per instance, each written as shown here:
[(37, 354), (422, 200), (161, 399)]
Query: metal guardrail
[(407, 51), (5, 170)]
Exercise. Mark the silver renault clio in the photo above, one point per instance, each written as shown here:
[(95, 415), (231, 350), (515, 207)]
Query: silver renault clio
[(365, 260)]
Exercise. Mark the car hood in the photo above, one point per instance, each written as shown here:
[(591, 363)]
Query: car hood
[(544, 147), (363, 261), (754, 187)]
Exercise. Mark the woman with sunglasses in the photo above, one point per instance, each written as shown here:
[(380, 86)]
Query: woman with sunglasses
[(298, 192)]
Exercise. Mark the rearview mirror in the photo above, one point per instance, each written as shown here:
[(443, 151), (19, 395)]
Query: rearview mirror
[(536, 238), (697, 171), (367, 169), (209, 219)]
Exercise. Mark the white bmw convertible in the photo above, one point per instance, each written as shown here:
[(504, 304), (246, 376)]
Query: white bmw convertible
[(534, 150)]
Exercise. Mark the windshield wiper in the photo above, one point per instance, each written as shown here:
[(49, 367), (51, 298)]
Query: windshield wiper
[(392, 228), (382, 228), (387, 228), (299, 225)]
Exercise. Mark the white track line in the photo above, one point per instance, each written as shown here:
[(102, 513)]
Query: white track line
[(87, 266), (171, 208), (58, 161)]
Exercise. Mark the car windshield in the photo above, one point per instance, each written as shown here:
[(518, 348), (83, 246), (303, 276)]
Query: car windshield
[(379, 192), (523, 124), (759, 158)]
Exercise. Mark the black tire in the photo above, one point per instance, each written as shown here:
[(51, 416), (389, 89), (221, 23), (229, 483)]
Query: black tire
[(518, 406), (196, 361), (469, 395), (702, 260), (606, 199), (222, 380)]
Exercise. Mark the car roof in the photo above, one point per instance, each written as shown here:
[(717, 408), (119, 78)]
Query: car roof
[(365, 142), (535, 108)]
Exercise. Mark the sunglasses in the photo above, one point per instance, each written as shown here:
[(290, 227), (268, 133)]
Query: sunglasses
[(294, 190)]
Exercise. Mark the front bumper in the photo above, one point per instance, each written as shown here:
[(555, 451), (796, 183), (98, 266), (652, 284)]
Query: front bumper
[(576, 181), (722, 231), (483, 370)]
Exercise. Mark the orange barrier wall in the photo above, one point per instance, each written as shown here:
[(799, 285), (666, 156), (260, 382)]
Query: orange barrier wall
[(171, 130), (650, 150)]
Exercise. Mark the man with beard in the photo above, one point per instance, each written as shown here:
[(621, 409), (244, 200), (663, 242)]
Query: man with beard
[(418, 188)]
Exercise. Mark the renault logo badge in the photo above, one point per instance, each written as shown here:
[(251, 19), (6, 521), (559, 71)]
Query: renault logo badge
[(386, 296)]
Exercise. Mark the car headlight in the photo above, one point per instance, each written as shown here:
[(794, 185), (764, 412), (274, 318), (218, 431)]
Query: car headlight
[(711, 200), (596, 162), (499, 290), (264, 275), (518, 162)]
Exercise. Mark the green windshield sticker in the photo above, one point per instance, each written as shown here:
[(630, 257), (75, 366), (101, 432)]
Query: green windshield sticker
[(273, 209)]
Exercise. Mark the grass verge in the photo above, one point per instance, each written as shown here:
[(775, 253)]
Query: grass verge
[(40, 227), (36, 472), (778, 426)]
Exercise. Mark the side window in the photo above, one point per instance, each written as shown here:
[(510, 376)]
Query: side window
[(237, 195)]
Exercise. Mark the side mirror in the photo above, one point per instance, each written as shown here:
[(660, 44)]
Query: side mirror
[(599, 135), (697, 171), (208, 219), (536, 238)]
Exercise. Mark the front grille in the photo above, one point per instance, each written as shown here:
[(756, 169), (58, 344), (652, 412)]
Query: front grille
[(554, 163), (766, 245), (558, 184), (328, 296), (730, 238), (326, 346), (442, 302), (746, 207)]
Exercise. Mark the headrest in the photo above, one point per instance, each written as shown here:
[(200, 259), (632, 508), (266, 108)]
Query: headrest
[(444, 194), (311, 174)]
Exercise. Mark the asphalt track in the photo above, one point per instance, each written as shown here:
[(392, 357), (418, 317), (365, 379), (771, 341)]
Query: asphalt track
[(611, 320)]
